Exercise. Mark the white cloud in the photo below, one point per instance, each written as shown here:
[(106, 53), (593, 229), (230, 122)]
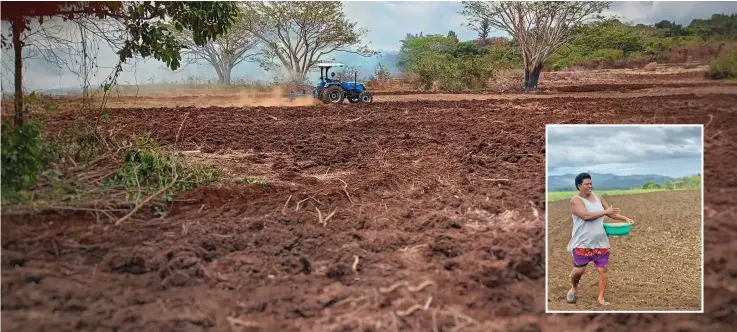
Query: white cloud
[(624, 149)]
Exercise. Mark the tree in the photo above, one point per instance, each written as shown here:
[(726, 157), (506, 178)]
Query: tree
[(650, 184), (299, 34), (147, 34), (452, 34), (224, 52), (541, 28), (416, 47), (484, 29), (664, 24)]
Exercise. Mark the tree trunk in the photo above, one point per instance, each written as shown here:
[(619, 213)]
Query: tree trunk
[(18, 48), (226, 75), (532, 76)]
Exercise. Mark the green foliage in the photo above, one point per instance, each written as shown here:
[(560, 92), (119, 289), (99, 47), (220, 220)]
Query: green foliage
[(453, 65), (23, 157), (610, 40), (718, 25), (150, 37), (381, 73), (684, 183), (148, 168), (415, 48), (723, 67), (688, 182), (601, 41), (81, 146), (452, 34), (650, 184)]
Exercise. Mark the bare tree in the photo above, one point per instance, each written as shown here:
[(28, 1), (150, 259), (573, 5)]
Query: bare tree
[(540, 27), (225, 52), (300, 33)]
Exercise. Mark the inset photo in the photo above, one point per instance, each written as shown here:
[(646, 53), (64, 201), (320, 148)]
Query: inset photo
[(624, 218)]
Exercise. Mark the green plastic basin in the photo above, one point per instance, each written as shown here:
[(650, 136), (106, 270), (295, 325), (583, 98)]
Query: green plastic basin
[(617, 229)]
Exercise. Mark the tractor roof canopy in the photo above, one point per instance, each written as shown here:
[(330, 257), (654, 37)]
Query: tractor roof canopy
[(327, 65)]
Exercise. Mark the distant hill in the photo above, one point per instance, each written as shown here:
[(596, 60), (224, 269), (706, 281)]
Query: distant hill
[(367, 65), (605, 181)]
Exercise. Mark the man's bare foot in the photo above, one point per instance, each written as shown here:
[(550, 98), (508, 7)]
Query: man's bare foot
[(602, 302)]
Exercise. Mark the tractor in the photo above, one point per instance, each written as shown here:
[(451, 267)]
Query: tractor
[(333, 91)]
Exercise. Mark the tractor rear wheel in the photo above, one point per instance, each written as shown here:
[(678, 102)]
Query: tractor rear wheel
[(333, 95), (365, 97)]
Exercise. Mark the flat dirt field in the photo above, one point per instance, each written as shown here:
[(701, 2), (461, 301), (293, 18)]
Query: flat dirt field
[(657, 267), (395, 216)]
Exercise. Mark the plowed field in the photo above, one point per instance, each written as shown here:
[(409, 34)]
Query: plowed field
[(655, 268), (432, 220)]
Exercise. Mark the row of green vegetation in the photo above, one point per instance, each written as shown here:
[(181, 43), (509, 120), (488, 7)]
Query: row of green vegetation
[(464, 65), (39, 170), (684, 183)]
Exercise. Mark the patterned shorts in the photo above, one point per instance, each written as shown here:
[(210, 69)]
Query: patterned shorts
[(582, 257)]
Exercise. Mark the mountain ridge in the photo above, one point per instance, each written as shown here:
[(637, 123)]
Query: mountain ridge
[(605, 181)]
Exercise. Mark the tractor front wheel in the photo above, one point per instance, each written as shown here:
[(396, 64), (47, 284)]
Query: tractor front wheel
[(333, 95)]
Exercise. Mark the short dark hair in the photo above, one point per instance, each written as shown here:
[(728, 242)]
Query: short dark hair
[(581, 177)]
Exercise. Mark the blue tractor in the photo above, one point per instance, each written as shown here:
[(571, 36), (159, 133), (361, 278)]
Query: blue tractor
[(332, 91)]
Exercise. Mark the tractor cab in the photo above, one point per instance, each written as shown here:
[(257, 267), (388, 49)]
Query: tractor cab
[(324, 69)]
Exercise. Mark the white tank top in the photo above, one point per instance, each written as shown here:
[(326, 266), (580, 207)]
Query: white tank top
[(589, 234)]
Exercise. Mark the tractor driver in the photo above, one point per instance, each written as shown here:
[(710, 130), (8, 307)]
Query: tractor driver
[(332, 78)]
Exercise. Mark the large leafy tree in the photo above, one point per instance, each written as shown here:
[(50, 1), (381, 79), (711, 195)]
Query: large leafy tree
[(414, 48), (224, 52), (145, 23), (540, 27), (300, 33)]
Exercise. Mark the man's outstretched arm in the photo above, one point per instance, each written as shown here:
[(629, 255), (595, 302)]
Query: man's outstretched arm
[(621, 217), (615, 216), (577, 208)]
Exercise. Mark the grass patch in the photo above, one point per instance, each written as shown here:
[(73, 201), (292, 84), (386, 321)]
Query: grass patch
[(249, 180)]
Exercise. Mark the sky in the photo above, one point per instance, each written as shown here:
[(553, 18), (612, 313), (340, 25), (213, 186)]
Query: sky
[(625, 150), (387, 21)]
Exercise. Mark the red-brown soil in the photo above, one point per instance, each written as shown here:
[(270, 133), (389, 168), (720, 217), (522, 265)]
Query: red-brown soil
[(657, 267), (422, 221)]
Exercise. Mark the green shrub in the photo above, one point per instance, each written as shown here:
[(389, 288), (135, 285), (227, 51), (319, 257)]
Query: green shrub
[(607, 54), (82, 145), (23, 157), (147, 168), (650, 184), (723, 67)]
